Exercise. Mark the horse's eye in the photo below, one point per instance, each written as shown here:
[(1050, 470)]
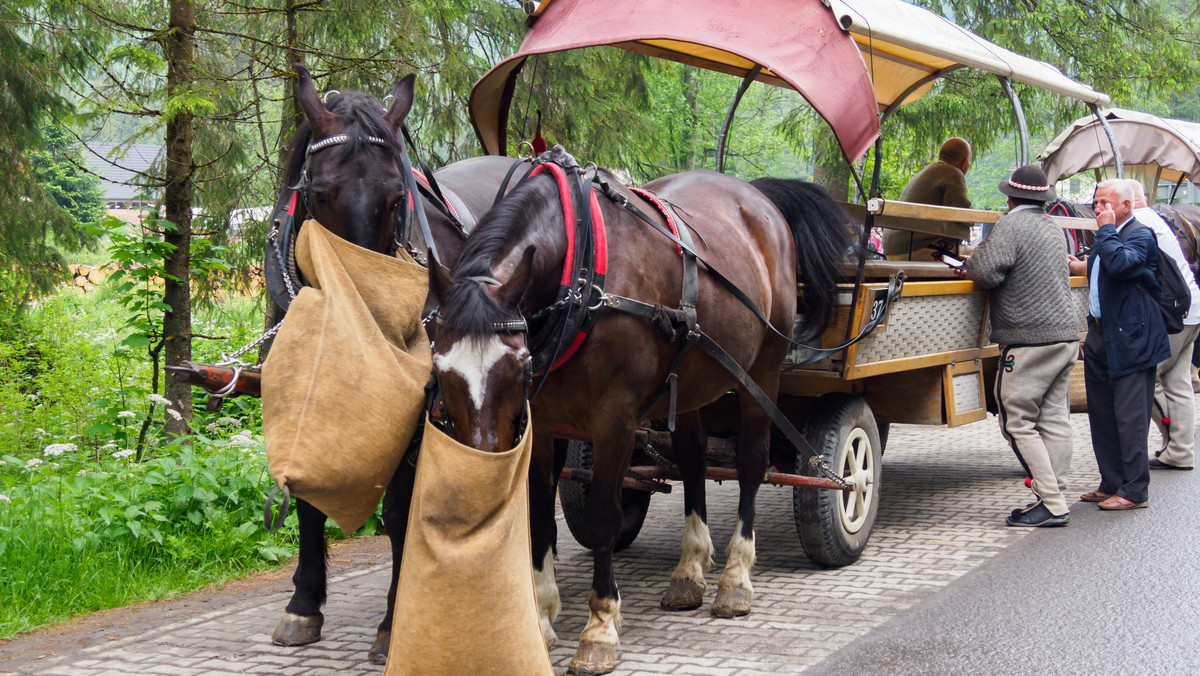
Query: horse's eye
[(322, 198)]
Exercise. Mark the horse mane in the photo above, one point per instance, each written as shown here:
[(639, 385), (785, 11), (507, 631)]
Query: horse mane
[(821, 237), (466, 305), (361, 116)]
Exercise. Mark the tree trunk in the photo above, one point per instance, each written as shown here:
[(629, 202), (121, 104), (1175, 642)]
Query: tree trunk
[(829, 166), (177, 201), (287, 130), (287, 134)]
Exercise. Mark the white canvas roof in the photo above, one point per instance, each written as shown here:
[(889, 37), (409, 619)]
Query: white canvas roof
[(903, 44)]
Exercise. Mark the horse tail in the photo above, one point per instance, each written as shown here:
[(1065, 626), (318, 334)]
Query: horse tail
[(819, 228)]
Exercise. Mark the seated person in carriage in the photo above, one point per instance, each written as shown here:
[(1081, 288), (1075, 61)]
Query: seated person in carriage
[(942, 183)]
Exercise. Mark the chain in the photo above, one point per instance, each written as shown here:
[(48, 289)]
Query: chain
[(284, 270), (661, 460), (232, 359), (819, 463)]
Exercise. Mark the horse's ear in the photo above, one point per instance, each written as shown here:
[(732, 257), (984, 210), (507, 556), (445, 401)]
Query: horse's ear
[(402, 100), (509, 294), (439, 279), (318, 116)]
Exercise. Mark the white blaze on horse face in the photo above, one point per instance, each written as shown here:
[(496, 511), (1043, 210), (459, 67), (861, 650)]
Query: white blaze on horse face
[(472, 360), (696, 556), (545, 590)]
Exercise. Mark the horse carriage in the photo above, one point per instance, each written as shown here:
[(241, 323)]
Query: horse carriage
[(908, 341), (704, 300)]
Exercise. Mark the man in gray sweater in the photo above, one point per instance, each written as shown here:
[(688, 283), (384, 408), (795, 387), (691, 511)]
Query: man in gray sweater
[(1033, 320)]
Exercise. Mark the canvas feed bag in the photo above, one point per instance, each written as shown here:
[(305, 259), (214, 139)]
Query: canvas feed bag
[(343, 388), (465, 602)]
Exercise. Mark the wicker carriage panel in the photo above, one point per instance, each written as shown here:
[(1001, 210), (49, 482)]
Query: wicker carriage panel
[(966, 393), (923, 325), (1079, 294)]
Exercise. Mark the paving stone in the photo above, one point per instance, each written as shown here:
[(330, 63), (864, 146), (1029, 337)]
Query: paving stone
[(943, 499)]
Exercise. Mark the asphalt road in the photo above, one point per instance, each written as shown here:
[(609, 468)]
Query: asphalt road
[(1112, 593)]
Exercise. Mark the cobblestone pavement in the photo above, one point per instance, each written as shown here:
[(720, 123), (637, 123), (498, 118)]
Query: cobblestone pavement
[(945, 494)]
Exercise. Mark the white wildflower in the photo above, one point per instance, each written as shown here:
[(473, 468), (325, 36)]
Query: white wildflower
[(40, 432), (212, 428), (3, 463), (159, 399), (174, 414), (59, 449), (124, 453), (5, 498), (126, 414), (110, 445), (229, 422), (33, 397), (32, 462), (82, 472)]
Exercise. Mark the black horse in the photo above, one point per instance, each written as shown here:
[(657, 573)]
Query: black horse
[(347, 172)]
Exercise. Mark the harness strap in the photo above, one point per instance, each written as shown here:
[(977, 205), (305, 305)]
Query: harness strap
[(442, 203), (821, 353), (712, 349), (689, 298)]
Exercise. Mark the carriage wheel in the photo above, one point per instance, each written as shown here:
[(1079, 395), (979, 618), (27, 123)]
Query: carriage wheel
[(573, 496), (834, 526)]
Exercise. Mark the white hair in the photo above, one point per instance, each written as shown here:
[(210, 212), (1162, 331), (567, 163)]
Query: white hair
[(1139, 191), (1119, 187)]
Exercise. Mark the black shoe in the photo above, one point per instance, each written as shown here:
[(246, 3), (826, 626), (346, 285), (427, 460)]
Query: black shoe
[(1037, 516), (1155, 463)]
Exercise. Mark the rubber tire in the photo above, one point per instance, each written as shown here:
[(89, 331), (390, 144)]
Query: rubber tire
[(884, 428), (573, 496), (818, 522)]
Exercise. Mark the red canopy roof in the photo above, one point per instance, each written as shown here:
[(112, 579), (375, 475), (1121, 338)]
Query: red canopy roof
[(798, 42)]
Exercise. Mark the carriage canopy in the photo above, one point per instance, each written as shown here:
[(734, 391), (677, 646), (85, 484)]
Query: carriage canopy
[(850, 59), (1152, 148)]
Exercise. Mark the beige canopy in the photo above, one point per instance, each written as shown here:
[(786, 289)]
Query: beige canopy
[(1152, 148), (906, 47)]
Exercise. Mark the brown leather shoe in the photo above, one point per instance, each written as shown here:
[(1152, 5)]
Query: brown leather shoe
[(1095, 496), (1117, 502)]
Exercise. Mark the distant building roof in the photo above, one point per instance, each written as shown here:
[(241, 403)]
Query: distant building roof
[(120, 181)]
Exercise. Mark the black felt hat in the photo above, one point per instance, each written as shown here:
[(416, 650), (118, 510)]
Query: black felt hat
[(1028, 182)]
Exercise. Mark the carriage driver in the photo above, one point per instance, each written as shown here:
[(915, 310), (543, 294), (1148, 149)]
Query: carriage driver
[(1033, 320)]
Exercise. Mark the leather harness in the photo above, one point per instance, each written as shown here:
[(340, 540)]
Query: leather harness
[(581, 296)]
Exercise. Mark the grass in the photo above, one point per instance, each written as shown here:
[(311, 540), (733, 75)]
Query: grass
[(87, 524)]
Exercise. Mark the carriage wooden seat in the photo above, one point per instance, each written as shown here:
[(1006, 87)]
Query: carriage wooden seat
[(880, 271)]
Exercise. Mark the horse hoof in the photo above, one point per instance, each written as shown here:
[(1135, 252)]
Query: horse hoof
[(379, 649), (298, 629), (592, 659), (732, 602), (683, 594)]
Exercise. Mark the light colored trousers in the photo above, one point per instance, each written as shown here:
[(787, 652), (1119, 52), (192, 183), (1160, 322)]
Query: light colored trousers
[(1174, 399), (1034, 395)]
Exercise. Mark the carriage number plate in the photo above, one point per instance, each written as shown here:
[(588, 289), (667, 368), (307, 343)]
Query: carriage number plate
[(878, 305)]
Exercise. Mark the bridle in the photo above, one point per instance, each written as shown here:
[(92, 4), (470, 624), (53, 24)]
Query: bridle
[(281, 237), (435, 404)]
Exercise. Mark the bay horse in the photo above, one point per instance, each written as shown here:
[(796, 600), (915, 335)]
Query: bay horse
[(346, 171), (515, 264)]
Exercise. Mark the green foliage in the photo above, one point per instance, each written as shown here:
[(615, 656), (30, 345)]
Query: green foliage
[(83, 524), (33, 225), (59, 172)]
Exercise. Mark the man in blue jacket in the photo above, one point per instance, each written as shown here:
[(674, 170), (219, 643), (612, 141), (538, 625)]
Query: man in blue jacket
[(1125, 342)]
